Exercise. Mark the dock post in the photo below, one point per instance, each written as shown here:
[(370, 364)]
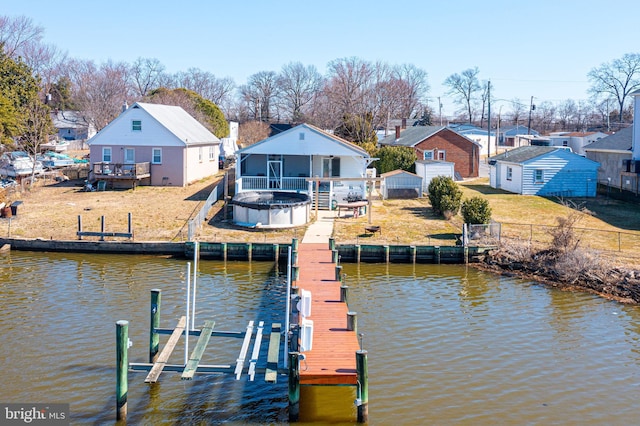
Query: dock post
[(295, 273), (386, 253), (465, 253), (294, 257), (352, 321), (436, 255), (249, 251), (276, 252), (223, 246), (294, 244), (154, 337), (129, 224), (294, 386), (334, 256), (122, 366), (102, 228), (79, 227), (362, 400), (344, 293), (413, 250), (332, 244), (358, 252), (339, 273)]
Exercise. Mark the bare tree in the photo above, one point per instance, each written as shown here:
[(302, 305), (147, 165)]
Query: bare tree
[(298, 86), (101, 91), (252, 132), (260, 93), (463, 87), (46, 61), (37, 128), (545, 116), (348, 84), (517, 111), (566, 112), (412, 90), (206, 84), (17, 33), (145, 75), (484, 99), (616, 79)]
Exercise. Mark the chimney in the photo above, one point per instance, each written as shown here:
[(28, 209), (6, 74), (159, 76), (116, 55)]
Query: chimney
[(404, 123), (125, 106), (397, 132)]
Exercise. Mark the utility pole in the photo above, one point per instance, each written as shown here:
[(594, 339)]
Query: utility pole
[(440, 109), (531, 108), (488, 119)]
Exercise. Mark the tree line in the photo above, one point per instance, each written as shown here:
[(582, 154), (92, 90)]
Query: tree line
[(353, 98)]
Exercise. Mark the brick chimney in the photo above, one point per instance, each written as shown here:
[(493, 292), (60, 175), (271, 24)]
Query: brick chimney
[(397, 132), (404, 123)]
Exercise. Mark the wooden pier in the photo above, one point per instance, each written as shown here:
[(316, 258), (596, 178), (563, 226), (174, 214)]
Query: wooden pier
[(332, 360)]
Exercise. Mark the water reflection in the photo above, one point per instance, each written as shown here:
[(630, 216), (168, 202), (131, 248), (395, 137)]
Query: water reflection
[(447, 344)]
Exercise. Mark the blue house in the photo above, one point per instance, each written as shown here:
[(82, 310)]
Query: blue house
[(545, 171)]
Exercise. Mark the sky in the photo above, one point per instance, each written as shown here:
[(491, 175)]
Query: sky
[(543, 48)]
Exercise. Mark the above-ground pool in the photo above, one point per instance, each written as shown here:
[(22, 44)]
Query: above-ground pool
[(273, 209)]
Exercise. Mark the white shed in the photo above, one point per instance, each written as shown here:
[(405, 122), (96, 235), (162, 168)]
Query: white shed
[(428, 169), (401, 184)]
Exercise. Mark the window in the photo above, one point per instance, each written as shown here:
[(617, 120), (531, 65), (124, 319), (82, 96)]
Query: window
[(200, 154), (509, 173), (538, 176), (156, 156), (565, 143), (212, 153), (136, 125), (442, 155), (106, 154), (427, 155), (301, 136)]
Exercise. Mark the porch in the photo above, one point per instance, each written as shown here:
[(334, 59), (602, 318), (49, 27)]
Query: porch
[(127, 172)]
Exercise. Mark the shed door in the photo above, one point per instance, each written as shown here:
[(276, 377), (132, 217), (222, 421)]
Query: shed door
[(274, 170)]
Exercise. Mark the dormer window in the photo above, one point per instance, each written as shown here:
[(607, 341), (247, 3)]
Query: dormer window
[(301, 137), (136, 125)]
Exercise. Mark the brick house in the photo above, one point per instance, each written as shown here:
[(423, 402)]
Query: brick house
[(441, 144)]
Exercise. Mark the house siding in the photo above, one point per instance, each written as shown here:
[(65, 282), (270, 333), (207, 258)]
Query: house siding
[(459, 150), (561, 177)]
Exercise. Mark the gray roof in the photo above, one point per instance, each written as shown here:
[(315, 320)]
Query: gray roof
[(621, 140), (524, 153), (179, 122), (411, 136)]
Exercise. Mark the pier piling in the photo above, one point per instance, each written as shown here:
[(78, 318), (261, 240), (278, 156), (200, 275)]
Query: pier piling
[(122, 366), (352, 321), (154, 337), (362, 401), (294, 386)]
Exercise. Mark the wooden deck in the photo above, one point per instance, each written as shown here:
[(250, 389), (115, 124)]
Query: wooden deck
[(332, 359)]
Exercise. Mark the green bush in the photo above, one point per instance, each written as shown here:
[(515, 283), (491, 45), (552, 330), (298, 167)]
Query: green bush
[(445, 196), (476, 210)]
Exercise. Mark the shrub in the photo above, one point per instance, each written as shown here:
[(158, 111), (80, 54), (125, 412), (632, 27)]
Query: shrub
[(445, 196), (476, 210)]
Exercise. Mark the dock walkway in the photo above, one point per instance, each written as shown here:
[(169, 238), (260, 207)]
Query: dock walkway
[(332, 359)]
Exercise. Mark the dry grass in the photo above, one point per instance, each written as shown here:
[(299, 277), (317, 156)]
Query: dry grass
[(51, 211)]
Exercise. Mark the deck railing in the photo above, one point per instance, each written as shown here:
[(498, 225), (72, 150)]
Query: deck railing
[(120, 170), (263, 183)]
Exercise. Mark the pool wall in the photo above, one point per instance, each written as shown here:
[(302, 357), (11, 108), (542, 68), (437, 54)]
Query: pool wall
[(271, 209)]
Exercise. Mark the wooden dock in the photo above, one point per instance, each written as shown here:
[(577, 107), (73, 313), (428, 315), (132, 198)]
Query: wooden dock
[(332, 359)]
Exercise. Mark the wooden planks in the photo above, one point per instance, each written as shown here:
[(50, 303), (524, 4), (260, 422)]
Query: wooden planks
[(158, 366), (198, 351), (271, 372), (332, 361)]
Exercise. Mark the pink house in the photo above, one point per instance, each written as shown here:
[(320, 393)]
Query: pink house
[(152, 144)]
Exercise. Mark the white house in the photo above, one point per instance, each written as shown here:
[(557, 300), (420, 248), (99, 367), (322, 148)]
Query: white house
[(154, 144), (287, 161), (544, 170), (575, 140)]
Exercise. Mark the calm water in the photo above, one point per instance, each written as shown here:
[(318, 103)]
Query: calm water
[(447, 344)]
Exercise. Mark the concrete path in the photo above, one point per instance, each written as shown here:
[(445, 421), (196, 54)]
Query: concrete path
[(321, 230)]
